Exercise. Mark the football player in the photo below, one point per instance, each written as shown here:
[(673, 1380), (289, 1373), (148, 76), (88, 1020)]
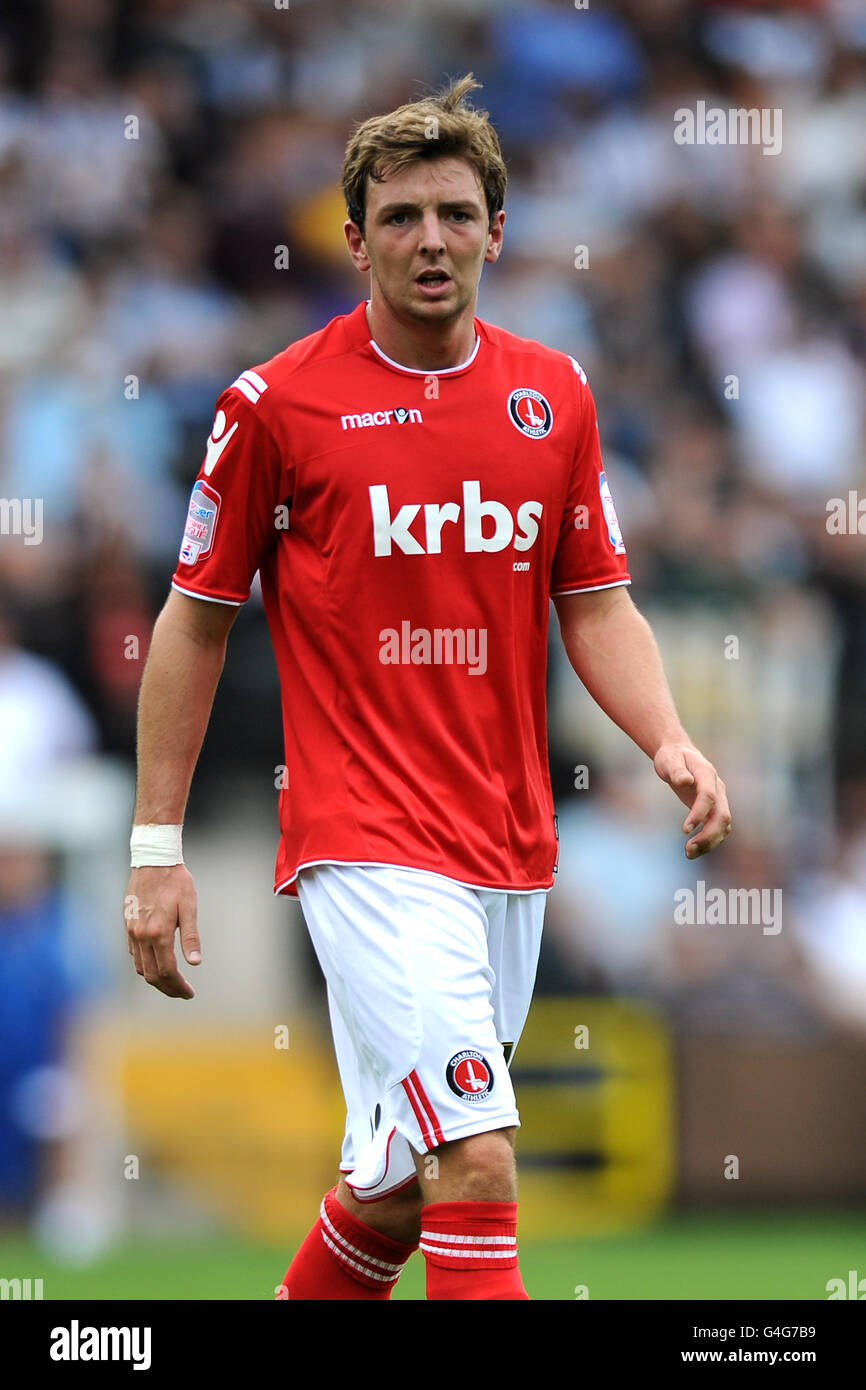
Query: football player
[(413, 485)]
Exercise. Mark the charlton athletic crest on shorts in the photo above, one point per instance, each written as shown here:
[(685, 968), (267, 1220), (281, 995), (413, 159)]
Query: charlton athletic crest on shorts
[(470, 1075), (530, 412)]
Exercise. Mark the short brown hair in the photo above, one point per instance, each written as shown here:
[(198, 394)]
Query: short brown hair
[(382, 145)]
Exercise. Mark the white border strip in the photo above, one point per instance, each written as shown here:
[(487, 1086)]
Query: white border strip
[(362, 1269), (444, 1236), (433, 371), (468, 1254), (592, 588), (353, 1249), (208, 598), (409, 869)]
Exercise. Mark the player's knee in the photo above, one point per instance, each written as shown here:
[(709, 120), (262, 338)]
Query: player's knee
[(479, 1168)]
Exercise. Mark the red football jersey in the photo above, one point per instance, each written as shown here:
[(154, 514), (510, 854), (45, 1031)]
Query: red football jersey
[(409, 528)]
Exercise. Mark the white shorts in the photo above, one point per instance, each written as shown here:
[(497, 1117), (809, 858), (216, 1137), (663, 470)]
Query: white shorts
[(429, 984)]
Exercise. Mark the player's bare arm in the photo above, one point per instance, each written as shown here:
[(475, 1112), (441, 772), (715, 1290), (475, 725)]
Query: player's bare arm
[(612, 649), (183, 668)]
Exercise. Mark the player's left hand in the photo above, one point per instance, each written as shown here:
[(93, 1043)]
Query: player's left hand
[(698, 786)]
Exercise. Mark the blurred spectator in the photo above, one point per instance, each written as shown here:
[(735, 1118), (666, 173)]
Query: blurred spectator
[(43, 974), (41, 984), (42, 718), (830, 907)]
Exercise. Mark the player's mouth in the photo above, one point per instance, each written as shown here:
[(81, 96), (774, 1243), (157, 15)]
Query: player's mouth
[(433, 283)]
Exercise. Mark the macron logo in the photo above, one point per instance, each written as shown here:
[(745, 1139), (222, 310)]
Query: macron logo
[(398, 416), (389, 530)]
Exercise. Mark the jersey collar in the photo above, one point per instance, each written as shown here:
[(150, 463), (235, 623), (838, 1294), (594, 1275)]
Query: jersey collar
[(414, 371)]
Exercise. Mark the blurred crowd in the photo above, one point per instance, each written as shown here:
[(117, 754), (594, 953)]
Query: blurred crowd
[(154, 154)]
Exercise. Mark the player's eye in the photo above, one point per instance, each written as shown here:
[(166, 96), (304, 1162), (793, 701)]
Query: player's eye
[(395, 215), (461, 213)]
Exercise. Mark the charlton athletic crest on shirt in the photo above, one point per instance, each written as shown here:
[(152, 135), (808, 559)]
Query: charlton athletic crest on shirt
[(529, 412), (470, 1075)]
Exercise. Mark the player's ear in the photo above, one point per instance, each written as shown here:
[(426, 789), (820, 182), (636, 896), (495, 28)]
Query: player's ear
[(494, 238), (357, 246)]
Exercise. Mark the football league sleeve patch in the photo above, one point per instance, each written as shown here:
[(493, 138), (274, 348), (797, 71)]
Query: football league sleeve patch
[(201, 520)]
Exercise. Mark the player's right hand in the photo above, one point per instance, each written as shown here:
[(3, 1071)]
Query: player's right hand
[(158, 902)]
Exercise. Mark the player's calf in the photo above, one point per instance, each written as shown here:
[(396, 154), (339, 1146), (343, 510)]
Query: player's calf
[(397, 1216), (469, 1220)]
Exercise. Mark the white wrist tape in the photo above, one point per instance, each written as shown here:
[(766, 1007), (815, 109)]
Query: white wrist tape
[(159, 845)]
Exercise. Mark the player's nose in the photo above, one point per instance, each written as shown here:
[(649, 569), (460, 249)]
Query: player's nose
[(430, 233)]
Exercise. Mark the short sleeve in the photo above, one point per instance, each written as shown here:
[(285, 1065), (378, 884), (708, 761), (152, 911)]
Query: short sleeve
[(234, 505), (590, 552)]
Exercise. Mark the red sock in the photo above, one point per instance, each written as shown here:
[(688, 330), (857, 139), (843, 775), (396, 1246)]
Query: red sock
[(471, 1250), (342, 1258)]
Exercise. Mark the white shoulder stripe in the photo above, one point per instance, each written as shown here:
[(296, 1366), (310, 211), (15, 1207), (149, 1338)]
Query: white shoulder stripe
[(579, 369), (247, 390), (251, 385), (255, 380)]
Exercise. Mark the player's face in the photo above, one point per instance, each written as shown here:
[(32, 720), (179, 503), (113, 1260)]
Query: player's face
[(426, 237)]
